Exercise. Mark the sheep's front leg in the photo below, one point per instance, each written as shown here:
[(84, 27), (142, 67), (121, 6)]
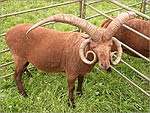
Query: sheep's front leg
[(71, 83), (79, 88)]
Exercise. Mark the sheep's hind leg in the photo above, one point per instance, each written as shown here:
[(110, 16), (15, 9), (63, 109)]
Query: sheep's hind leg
[(20, 66), (79, 88), (26, 71)]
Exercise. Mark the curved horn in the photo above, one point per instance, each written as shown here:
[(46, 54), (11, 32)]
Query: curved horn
[(117, 23), (89, 28), (119, 51), (81, 53)]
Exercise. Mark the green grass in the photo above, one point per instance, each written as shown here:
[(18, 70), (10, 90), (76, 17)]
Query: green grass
[(103, 92)]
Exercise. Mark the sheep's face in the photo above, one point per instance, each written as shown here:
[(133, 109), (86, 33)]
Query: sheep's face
[(102, 50)]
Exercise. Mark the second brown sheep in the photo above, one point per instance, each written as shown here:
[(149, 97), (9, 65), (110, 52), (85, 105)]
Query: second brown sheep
[(132, 39)]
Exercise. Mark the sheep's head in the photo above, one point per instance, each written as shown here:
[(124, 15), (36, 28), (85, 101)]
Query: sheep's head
[(101, 38), (101, 42), (102, 50)]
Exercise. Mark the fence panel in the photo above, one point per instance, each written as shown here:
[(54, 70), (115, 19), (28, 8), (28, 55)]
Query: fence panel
[(83, 5)]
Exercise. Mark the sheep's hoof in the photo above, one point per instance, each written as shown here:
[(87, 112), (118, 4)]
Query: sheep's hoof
[(72, 105), (79, 93), (24, 94)]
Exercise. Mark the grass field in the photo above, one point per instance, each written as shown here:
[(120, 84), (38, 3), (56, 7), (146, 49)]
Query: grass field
[(103, 92)]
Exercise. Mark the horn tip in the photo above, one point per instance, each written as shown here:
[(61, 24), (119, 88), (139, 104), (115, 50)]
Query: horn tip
[(131, 14)]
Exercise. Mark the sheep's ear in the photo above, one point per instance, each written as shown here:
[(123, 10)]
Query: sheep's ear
[(85, 36)]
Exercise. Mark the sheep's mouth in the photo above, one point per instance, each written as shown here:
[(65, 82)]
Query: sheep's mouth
[(104, 66)]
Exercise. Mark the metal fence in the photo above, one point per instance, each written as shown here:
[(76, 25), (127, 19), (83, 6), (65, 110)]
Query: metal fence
[(82, 14)]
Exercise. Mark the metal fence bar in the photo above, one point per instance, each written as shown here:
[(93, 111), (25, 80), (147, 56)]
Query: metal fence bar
[(41, 8), (81, 9), (141, 6), (130, 65), (110, 11), (7, 75), (131, 82), (140, 34), (147, 12), (4, 65), (3, 51), (81, 12), (36, 9), (144, 6), (97, 1), (127, 8), (135, 70), (84, 7), (129, 48), (3, 34)]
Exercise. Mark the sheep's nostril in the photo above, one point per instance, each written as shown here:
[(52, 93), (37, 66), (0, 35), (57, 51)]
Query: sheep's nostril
[(104, 66)]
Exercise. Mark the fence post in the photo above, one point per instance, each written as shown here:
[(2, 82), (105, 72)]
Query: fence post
[(82, 11), (143, 6), (82, 8)]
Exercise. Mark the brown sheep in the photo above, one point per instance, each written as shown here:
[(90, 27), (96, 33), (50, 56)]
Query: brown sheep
[(132, 39), (54, 51)]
